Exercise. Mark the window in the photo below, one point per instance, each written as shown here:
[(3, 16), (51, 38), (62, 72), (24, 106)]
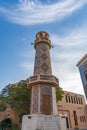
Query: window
[(85, 75), (81, 101), (82, 119), (66, 98), (74, 99), (71, 99)]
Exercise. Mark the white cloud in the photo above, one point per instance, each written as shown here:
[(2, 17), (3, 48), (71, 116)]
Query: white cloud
[(68, 74), (74, 38), (34, 12), (73, 47)]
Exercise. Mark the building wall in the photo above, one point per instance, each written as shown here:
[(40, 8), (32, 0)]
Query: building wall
[(70, 103), (9, 113), (82, 65), (73, 106), (83, 73)]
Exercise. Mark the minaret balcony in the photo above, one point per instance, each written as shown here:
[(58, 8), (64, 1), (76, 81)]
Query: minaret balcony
[(44, 79), (42, 39)]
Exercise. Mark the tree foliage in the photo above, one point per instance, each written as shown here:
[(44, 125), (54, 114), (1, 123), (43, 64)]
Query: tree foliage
[(17, 96), (2, 106), (14, 127), (6, 124), (4, 91), (59, 93), (3, 98)]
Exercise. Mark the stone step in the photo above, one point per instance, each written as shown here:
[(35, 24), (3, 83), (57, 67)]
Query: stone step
[(49, 125)]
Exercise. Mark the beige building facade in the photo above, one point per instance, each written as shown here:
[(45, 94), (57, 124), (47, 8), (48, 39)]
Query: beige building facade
[(9, 113), (74, 107)]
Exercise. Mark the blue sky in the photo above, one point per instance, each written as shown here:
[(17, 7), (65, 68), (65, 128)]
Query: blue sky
[(66, 23)]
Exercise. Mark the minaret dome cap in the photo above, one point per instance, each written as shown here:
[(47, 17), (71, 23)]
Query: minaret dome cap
[(41, 33), (42, 36)]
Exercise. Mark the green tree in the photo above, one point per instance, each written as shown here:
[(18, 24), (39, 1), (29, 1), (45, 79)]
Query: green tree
[(3, 97), (14, 127), (17, 96), (2, 105), (59, 93), (6, 124), (4, 91)]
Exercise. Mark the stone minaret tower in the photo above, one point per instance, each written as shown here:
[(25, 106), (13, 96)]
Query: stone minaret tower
[(43, 83)]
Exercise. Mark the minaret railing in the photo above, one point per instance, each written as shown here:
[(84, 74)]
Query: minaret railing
[(43, 79)]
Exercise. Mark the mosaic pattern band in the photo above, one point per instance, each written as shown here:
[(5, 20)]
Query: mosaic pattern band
[(42, 60), (38, 95), (45, 89), (34, 107)]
